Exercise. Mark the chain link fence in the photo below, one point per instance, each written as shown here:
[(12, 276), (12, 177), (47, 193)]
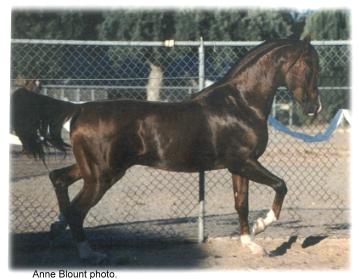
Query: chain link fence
[(155, 204)]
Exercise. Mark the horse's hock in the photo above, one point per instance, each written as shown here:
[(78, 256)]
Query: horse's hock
[(153, 204)]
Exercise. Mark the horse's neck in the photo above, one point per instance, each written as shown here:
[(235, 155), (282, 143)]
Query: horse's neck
[(257, 85)]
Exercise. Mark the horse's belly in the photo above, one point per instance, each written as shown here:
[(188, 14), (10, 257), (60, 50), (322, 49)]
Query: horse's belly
[(181, 156)]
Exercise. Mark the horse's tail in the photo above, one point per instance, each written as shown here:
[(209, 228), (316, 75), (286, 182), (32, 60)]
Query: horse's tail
[(38, 120)]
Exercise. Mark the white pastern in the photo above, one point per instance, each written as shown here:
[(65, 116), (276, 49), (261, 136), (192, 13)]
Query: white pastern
[(270, 218), (261, 224), (256, 249)]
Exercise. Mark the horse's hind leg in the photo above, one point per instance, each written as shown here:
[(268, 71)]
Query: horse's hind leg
[(95, 186), (240, 190), (89, 196), (61, 180)]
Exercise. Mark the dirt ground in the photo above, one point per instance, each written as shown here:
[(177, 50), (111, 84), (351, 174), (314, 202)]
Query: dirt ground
[(312, 253)]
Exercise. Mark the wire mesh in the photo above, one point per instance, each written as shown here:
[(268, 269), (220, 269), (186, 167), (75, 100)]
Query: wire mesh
[(150, 203)]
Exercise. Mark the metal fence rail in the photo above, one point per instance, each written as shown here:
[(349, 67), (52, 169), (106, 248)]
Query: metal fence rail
[(149, 203)]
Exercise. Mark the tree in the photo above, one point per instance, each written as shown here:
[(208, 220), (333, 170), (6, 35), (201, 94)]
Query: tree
[(34, 62), (129, 25), (264, 25), (328, 25), (62, 25), (229, 25)]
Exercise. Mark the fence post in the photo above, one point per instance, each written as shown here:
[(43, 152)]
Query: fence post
[(62, 94), (274, 107), (291, 104), (201, 195), (92, 94), (77, 95)]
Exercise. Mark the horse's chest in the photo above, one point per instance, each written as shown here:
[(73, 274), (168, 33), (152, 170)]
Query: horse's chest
[(261, 142), (244, 141)]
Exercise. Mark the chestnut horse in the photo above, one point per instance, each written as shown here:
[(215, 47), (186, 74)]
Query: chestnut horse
[(223, 126)]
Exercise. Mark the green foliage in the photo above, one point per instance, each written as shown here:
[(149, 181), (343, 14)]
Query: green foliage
[(263, 25), (62, 25), (328, 25), (41, 24), (153, 25), (135, 25), (226, 25)]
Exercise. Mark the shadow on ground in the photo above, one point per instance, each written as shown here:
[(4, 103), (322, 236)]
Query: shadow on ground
[(313, 240), (285, 246), (36, 250)]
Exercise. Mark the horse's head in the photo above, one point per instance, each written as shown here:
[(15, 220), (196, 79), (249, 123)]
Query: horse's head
[(301, 77)]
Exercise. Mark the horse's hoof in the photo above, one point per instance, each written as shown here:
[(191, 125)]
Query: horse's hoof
[(57, 229), (258, 250)]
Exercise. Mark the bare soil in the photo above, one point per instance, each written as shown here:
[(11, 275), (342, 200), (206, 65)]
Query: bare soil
[(312, 253)]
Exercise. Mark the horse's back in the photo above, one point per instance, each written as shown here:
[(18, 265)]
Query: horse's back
[(172, 136)]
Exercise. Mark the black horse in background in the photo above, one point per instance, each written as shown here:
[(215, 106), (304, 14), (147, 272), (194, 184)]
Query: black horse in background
[(222, 126)]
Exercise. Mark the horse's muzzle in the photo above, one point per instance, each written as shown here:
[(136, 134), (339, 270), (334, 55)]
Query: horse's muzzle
[(313, 108), (313, 111)]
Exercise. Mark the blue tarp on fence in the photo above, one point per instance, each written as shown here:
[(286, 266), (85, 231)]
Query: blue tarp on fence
[(334, 123)]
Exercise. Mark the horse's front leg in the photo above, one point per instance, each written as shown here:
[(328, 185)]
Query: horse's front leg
[(253, 170), (240, 190)]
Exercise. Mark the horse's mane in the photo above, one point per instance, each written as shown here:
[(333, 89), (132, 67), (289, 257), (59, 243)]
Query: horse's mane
[(248, 59), (255, 53)]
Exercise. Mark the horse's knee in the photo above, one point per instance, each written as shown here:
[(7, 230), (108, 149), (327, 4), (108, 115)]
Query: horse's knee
[(281, 188)]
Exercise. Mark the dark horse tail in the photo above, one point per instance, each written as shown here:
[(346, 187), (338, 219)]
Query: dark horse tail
[(38, 120)]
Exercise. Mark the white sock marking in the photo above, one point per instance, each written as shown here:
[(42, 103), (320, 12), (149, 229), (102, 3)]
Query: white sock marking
[(245, 239), (256, 249), (270, 218), (261, 224)]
